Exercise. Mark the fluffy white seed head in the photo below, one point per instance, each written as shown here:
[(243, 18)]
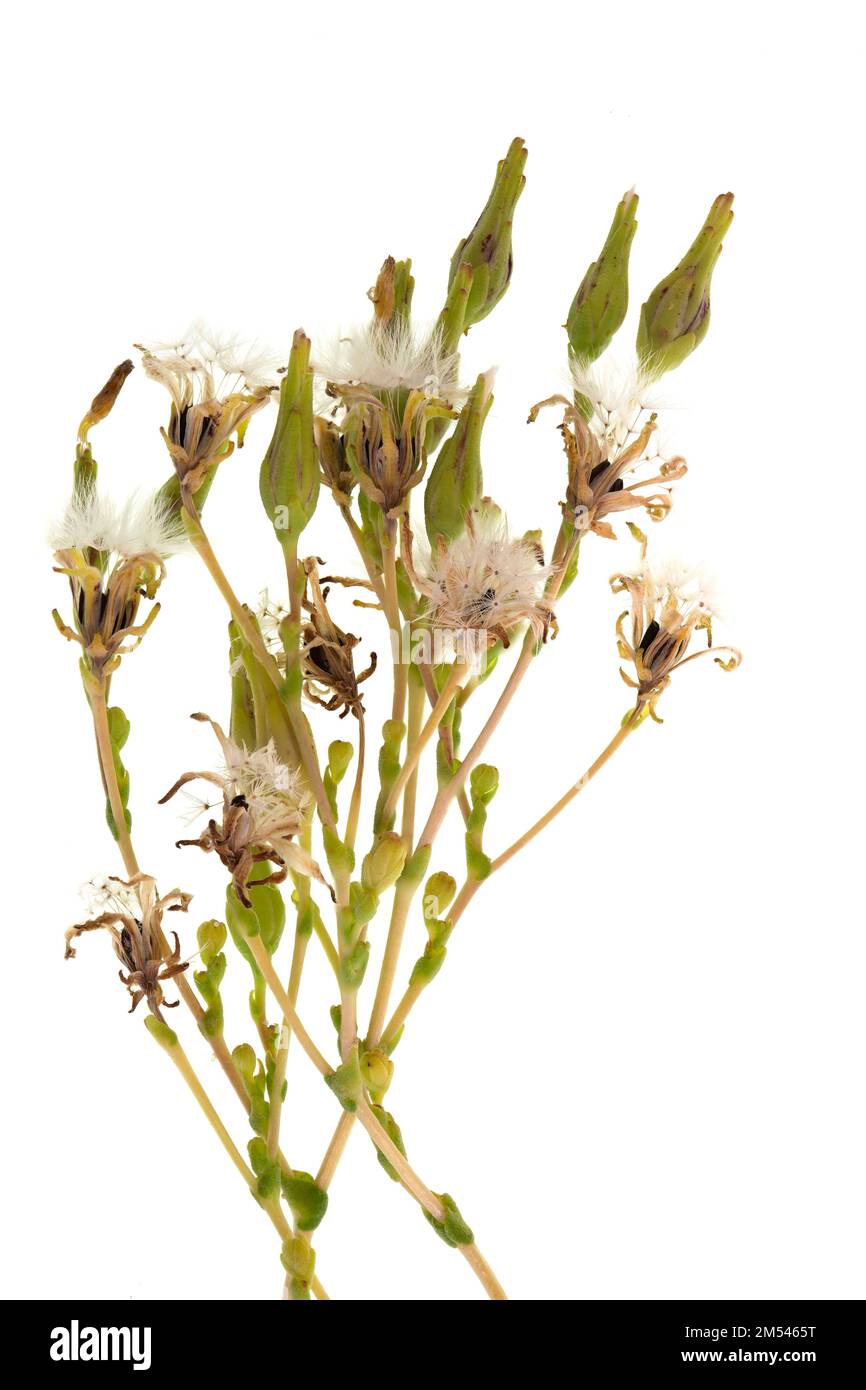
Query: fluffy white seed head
[(142, 525), (620, 395), (202, 366), (388, 357), (485, 581), (688, 588)]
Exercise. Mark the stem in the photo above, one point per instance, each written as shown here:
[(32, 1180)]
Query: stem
[(355, 803), (266, 966), (415, 714), (427, 1199), (335, 1150), (272, 1208), (455, 676), (253, 638), (403, 895), (446, 737), (618, 739), (105, 749), (392, 612), (471, 886), (299, 951), (184, 1066), (372, 572)]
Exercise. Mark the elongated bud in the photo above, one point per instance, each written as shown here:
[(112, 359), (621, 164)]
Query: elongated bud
[(600, 305), (391, 296), (454, 486), (487, 249), (384, 864), (101, 405), (104, 400), (289, 476), (676, 316)]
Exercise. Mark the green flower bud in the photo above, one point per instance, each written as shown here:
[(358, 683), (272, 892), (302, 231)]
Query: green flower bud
[(600, 305), (484, 782), (298, 1260), (487, 249), (289, 475), (676, 316), (454, 486), (340, 755), (384, 864), (438, 895), (376, 1071)]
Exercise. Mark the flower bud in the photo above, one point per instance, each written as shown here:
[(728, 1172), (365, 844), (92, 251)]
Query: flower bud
[(454, 485), (391, 296), (104, 400), (376, 1070), (600, 305), (484, 783), (439, 892), (487, 249), (289, 476), (676, 316), (101, 405), (384, 864)]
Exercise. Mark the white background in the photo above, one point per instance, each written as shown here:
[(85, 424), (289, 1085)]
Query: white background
[(641, 1070)]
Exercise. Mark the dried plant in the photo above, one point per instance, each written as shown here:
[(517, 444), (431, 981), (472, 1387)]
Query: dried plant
[(382, 419)]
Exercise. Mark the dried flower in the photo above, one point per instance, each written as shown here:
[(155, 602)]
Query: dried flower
[(264, 807), (390, 384), (609, 435), (215, 387), (113, 556), (668, 605), (327, 662), (482, 585), (131, 912)]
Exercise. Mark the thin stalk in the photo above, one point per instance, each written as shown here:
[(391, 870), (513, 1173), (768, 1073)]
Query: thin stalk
[(253, 639), (471, 886), (403, 895), (446, 738), (415, 715), (99, 710), (266, 966), (616, 742), (358, 538), (355, 802), (299, 951), (453, 681), (392, 612), (184, 1066), (272, 1208), (335, 1150), (427, 1199)]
